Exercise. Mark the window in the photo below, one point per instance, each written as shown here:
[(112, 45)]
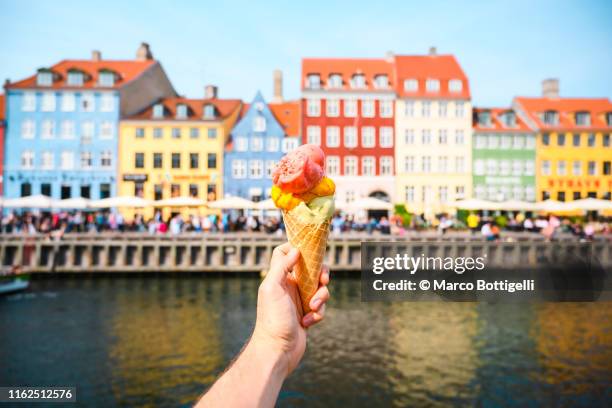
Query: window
[(350, 196), (107, 102), (561, 139), (609, 118), (313, 107), (545, 139), (65, 191), (350, 136), (67, 160), (409, 136), (45, 189), (350, 108), (517, 167), (176, 160), (194, 133), (256, 144), (86, 160), (591, 140), (442, 109), (289, 143), (479, 167), (561, 196), (47, 162), (492, 167), (239, 169), (334, 81), (583, 119), (181, 111), (44, 78), (270, 165), (140, 133), (158, 160), (506, 142), (212, 133), (194, 190), (480, 192), (459, 138), (386, 136), (48, 102), (442, 164), (443, 193), (368, 137), (259, 124), (139, 160), (409, 164), (88, 102), (606, 168), (28, 102), (333, 108), (460, 164), (27, 160), (313, 135), (175, 190), (106, 130), (592, 168), (425, 109), (576, 195), (367, 108), (442, 137), (67, 129), (529, 167), (210, 112), (381, 82), (332, 165), (460, 192), (426, 164), (48, 129), (411, 85), (368, 166), (106, 159), (194, 160), (332, 136), (518, 142), (455, 85), (409, 109), (176, 133), (28, 129), (409, 194), (314, 81), (551, 118), (87, 132), (481, 141), (386, 108), (272, 144), (75, 78), (106, 79), (358, 81), (546, 168), (105, 190), (605, 142), (505, 167), (459, 109), (432, 85), (350, 165), (577, 168), (530, 141), (509, 119), (242, 144), (484, 118), (255, 169), (211, 160), (68, 102), (425, 136), (158, 111)]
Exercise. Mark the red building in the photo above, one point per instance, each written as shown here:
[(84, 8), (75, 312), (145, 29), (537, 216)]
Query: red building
[(348, 109), (2, 126)]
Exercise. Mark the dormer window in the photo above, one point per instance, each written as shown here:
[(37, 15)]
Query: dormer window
[(44, 78), (583, 119), (432, 85), (75, 78), (609, 118), (484, 118), (158, 110), (509, 119), (358, 81), (455, 85), (334, 81), (411, 85), (381, 82), (209, 112), (106, 79), (314, 81), (551, 118), (259, 124), (181, 111)]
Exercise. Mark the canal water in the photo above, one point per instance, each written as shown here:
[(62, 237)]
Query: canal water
[(160, 341)]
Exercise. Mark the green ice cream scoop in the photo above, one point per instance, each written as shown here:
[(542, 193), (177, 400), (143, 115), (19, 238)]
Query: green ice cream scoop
[(317, 211)]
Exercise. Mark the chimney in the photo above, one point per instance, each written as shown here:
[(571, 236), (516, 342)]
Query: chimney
[(433, 51), (143, 52), (278, 86), (210, 92), (389, 56), (96, 55), (550, 88)]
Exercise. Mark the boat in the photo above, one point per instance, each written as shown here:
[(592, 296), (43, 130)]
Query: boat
[(13, 280)]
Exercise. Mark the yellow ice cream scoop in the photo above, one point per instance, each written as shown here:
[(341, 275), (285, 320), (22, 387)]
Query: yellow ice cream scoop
[(283, 200), (288, 201)]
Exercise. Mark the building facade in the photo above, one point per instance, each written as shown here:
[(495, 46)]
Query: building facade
[(2, 127), (433, 126), (503, 156), (257, 143), (174, 148), (63, 135), (348, 110), (573, 144)]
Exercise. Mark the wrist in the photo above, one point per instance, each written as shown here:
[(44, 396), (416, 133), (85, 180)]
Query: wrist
[(270, 353)]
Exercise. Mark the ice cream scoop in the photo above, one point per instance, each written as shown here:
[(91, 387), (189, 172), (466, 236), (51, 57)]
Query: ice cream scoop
[(300, 170)]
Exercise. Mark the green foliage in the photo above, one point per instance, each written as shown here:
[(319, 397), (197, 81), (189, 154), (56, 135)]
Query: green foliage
[(400, 209), (462, 216), (501, 220)]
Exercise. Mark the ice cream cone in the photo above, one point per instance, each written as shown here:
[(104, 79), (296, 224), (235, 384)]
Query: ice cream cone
[(311, 240)]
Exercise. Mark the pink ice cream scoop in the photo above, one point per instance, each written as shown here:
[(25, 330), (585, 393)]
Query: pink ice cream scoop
[(300, 170)]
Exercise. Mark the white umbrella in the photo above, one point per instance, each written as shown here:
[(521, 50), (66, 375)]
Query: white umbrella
[(77, 203), (121, 201), (473, 204), (590, 204), (551, 206), (180, 202), (266, 205), (515, 205), (232, 203), (366, 203), (34, 201)]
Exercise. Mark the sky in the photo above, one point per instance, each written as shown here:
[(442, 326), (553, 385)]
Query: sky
[(505, 47)]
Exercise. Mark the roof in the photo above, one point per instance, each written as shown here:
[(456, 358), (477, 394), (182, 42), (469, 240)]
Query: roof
[(2, 107), (346, 68), (423, 67), (497, 124), (224, 107), (534, 108), (288, 115), (127, 71)]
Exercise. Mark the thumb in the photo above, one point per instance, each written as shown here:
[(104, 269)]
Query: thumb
[(282, 264)]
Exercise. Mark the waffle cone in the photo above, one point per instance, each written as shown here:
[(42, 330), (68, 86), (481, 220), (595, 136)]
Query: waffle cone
[(311, 241)]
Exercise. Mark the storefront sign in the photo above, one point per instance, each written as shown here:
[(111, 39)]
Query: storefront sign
[(138, 178)]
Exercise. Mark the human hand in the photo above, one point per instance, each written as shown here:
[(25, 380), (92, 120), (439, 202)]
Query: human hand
[(281, 326)]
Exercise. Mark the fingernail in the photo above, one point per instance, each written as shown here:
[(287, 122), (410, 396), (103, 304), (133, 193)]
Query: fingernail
[(308, 319), (316, 303)]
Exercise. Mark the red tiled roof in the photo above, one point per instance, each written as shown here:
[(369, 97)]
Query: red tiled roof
[(126, 70), (346, 68), (2, 107), (225, 107), (566, 108), (497, 124), (288, 115), (424, 67)]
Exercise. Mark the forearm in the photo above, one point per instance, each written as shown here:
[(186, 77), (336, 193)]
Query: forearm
[(254, 380)]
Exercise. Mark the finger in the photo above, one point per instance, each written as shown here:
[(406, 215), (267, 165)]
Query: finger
[(282, 249), (321, 296), (283, 262), (313, 318), (324, 279)]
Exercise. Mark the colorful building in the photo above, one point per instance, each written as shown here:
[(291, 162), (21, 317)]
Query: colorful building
[(347, 109), (573, 146), (433, 127), (174, 148), (503, 156), (257, 142), (62, 138), (2, 127)]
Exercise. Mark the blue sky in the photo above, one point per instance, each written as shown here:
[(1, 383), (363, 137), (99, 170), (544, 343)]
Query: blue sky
[(505, 47)]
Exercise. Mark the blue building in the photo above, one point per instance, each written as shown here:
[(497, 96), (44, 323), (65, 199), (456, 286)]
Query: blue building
[(62, 124), (261, 136)]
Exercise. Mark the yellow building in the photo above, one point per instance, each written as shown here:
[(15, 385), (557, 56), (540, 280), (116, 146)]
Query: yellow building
[(573, 151), (175, 149)]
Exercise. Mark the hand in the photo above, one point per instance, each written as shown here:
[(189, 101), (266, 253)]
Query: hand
[(280, 325)]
